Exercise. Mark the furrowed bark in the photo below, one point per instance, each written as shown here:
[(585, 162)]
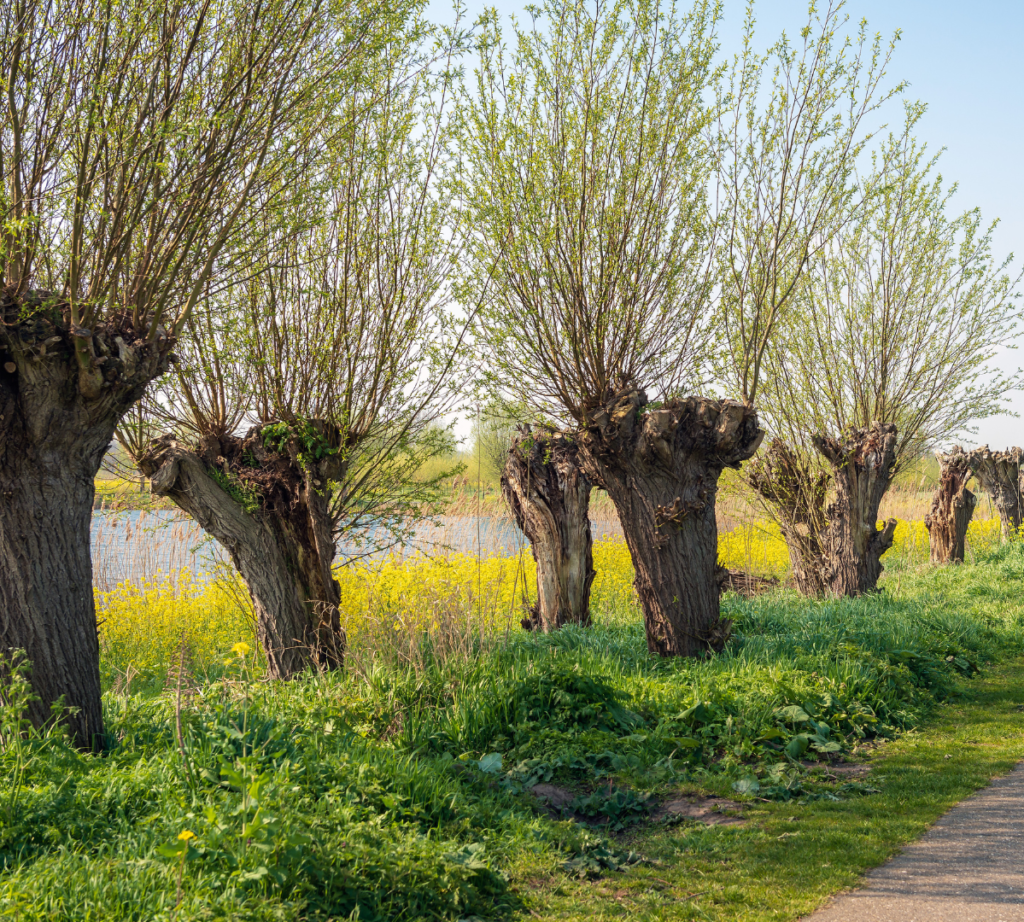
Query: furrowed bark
[(952, 508), (63, 390), (797, 497), (999, 475), (549, 496), (851, 543), (283, 546), (661, 468)]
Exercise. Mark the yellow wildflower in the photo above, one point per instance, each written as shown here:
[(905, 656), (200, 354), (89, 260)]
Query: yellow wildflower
[(186, 834), (241, 648)]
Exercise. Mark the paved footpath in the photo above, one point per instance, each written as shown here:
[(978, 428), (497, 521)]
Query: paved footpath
[(969, 867)]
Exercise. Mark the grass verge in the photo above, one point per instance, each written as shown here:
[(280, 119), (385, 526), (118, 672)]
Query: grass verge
[(790, 858), (405, 787)]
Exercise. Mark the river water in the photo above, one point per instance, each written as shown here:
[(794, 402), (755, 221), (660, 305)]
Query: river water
[(137, 546)]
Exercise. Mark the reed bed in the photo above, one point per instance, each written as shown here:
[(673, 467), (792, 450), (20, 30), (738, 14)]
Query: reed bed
[(140, 546)]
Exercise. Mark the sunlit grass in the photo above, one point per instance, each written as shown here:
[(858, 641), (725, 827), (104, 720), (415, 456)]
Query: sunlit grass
[(398, 787)]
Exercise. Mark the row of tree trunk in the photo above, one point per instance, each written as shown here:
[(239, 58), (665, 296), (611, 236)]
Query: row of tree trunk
[(829, 520), (660, 467)]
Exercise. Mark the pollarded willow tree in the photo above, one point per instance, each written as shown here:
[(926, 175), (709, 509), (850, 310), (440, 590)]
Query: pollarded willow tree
[(952, 507), (134, 140), (999, 474), (586, 147), (549, 495), (312, 390), (888, 356), (786, 188)]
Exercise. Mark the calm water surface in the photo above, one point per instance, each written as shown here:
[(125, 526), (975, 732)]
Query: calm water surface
[(142, 545)]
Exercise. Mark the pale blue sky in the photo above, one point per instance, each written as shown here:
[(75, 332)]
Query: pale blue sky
[(964, 61)]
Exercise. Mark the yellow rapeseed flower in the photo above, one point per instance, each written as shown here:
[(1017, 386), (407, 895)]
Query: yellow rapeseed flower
[(186, 834), (398, 597), (142, 625)]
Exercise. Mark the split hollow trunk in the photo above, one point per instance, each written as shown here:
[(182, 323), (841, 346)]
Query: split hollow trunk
[(549, 496), (661, 470), (999, 475), (283, 549), (952, 508), (61, 398), (835, 546), (852, 544)]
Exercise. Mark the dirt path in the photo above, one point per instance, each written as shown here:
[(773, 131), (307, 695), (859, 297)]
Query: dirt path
[(969, 867)]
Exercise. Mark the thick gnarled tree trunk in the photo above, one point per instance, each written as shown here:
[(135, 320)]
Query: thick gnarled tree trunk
[(829, 519), (62, 393), (952, 508), (549, 496), (661, 469), (269, 510), (852, 545), (999, 475), (797, 497)]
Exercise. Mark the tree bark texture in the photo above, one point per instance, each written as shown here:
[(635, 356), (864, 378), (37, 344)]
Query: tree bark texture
[(270, 510), (952, 508), (549, 496), (852, 545), (999, 475), (796, 495), (661, 466), (63, 390)]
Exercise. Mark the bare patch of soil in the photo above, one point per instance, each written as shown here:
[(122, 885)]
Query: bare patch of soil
[(712, 811), (554, 798), (709, 810), (848, 771)]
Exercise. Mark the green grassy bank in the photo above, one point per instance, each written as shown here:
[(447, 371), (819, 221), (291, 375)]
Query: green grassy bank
[(789, 858), (405, 791)]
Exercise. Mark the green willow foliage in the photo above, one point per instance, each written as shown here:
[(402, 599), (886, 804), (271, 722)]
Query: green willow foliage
[(586, 178), (792, 124), (897, 320), (347, 317)]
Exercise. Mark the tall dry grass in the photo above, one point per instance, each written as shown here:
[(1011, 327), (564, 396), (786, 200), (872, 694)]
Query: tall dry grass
[(141, 545)]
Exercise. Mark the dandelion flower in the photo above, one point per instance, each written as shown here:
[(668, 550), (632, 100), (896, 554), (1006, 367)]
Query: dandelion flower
[(241, 648)]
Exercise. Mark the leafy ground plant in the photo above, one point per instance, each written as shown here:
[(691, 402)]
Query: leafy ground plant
[(405, 792)]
